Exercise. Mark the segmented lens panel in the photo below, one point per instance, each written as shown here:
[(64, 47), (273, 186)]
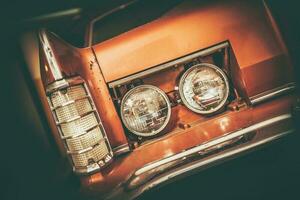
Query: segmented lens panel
[(78, 108), (91, 156), (204, 88), (145, 110), (79, 125), (84, 141), (61, 97), (80, 128)]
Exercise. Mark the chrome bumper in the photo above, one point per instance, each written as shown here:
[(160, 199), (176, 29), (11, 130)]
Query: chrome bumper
[(205, 155)]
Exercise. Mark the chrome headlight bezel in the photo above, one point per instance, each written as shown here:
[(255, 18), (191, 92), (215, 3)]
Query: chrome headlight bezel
[(166, 121), (218, 71)]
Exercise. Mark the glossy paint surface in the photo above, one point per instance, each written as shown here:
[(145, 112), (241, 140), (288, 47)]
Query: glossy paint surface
[(81, 62), (208, 129), (261, 63), (194, 25)]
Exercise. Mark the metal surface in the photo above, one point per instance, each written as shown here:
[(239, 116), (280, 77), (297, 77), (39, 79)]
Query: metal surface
[(272, 93), (51, 60), (179, 33), (196, 162), (214, 142), (210, 161), (178, 141), (167, 65), (121, 149)]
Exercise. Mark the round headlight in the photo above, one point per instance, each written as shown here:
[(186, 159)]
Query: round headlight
[(204, 88), (145, 110)]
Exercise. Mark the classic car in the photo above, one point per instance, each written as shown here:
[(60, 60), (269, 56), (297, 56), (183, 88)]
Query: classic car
[(164, 95)]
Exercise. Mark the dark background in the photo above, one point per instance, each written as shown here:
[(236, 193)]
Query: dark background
[(29, 168)]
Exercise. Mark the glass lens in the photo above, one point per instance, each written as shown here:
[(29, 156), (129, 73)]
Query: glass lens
[(145, 110), (87, 140), (79, 125), (204, 88), (90, 157)]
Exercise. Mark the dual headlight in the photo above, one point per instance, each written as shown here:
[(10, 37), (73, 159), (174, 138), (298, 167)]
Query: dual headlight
[(146, 110)]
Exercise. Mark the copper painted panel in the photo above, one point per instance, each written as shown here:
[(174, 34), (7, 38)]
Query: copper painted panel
[(82, 62), (195, 25), (188, 28), (207, 129), (268, 74)]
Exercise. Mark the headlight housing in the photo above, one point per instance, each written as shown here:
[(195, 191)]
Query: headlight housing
[(145, 110), (204, 88)]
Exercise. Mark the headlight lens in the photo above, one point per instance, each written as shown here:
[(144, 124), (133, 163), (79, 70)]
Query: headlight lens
[(204, 88), (145, 110)]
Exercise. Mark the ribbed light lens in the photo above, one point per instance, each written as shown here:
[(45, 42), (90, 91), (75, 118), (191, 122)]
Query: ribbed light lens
[(145, 110), (80, 128), (89, 157), (204, 88)]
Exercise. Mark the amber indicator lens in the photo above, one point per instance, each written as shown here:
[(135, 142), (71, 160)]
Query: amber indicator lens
[(204, 88), (145, 110)]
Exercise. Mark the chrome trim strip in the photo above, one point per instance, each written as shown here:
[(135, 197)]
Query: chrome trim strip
[(60, 84), (53, 65), (121, 149), (54, 15), (272, 93), (181, 60), (222, 156), (211, 143), (63, 84)]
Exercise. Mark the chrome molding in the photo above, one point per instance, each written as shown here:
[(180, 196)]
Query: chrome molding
[(173, 63), (60, 84), (192, 161), (272, 93), (121, 149), (213, 159), (53, 65), (211, 143)]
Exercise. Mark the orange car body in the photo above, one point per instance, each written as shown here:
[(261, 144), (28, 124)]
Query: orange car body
[(260, 69)]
